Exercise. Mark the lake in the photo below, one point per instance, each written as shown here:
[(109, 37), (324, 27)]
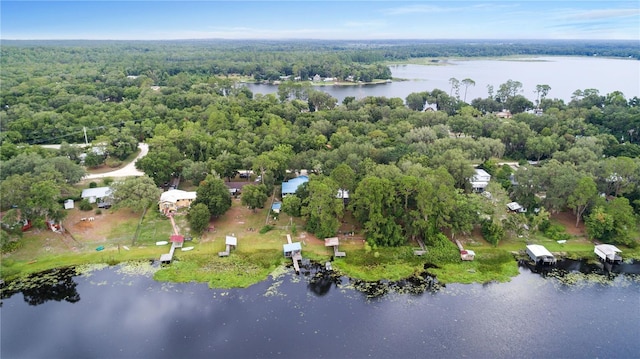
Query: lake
[(564, 74), (114, 313)]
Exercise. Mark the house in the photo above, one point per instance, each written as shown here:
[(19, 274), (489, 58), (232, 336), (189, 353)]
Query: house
[(480, 180), (290, 186), (97, 194), (608, 253), (540, 255), (516, 207), (317, 78), (430, 107), (504, 114), (174, 199)]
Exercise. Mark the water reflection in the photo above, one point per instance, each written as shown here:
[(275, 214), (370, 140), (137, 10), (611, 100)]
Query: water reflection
[(320, 314), (57, 285)]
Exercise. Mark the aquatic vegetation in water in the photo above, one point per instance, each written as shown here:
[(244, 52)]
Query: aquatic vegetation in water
[(138, 268)]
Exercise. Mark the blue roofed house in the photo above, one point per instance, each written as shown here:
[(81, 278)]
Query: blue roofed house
[(290, 186)]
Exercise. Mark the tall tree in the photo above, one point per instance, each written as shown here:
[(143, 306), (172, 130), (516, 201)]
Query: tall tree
[(136, 193), (322, 209), (214, 194), (541, 93), (582, 196), (199, 217), (254, 196), (466, 83)]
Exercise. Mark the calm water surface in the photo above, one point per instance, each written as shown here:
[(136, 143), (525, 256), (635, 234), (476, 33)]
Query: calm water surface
[(111, 314), (564, 74)]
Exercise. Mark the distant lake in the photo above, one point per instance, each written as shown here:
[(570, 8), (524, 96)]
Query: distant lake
[(110, 313), (564, 74)]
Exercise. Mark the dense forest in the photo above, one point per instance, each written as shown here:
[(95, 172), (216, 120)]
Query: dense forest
[(408, 170)]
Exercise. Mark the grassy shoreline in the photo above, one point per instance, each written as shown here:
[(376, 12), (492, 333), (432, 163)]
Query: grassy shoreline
[(259, 255)]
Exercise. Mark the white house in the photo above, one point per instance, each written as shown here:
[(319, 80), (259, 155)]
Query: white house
[(172, 200), (480, 180)]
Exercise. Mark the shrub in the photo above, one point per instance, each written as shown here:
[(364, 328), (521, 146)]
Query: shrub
[(85, 205), (93, 185), (492, 232), (556, 232), (113, 162), (266, 229), (98, 211), (107, 181)]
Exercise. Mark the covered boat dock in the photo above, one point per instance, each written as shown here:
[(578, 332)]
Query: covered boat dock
[(540, 255)]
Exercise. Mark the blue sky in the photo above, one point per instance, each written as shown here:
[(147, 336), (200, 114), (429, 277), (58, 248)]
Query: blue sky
[(164, 20)]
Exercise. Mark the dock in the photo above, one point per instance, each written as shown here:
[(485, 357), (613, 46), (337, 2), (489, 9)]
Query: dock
[(293, 250), (334, 242), (176, 240), (230, 242), (422, 250)]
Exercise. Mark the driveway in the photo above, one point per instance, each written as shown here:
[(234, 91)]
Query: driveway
[(127, 171)]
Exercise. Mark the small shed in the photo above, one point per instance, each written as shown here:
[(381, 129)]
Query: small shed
[(291, 249), (177, 240), (608, 253), (68, 204), (276, 206), (540, 254)]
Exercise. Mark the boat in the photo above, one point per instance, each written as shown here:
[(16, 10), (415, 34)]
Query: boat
[(161, 243), (125, 247), (184, 249), (100, 248)]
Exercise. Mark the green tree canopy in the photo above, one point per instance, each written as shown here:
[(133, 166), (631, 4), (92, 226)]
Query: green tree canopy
[(214, 194), (136, 193)]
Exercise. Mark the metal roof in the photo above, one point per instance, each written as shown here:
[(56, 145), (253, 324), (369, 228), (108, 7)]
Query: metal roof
[(174, 195), (290, 186), (97, 192), (539, 251), (230, 240), (291, 247), (608, 249)]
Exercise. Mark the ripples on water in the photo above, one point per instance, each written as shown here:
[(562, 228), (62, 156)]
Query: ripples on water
[(120, 312)]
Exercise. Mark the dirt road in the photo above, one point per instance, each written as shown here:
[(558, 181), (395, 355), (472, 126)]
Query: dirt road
[(127, 171)]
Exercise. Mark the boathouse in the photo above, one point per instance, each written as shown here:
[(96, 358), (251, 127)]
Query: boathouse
[(608, 253), (291, 249), (540, 254)]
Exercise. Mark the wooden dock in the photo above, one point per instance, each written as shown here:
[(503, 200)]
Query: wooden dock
[(176, 242), (334, 242), (294, 251), (465, 255), (231, 242), (422, 250)]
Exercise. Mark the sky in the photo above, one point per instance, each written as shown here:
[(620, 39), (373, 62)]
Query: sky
[(349, 20)]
